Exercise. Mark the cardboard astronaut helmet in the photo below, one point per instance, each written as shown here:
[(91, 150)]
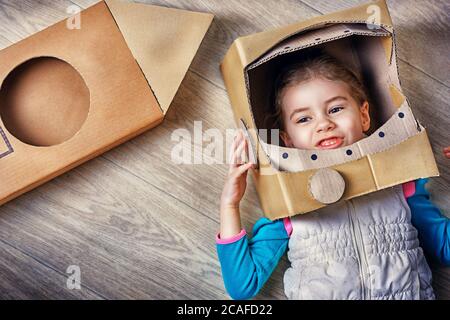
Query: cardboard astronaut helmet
[(291, 181), (71, 92)]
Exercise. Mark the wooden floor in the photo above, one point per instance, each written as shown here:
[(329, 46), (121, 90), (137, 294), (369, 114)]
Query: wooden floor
[(142, 227)]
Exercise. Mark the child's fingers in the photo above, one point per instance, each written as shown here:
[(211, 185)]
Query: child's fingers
[(236, 158), (240, 152), (236, 140), (235, 163), (233, 149), (235, 155), (243, 168), (247, 150)]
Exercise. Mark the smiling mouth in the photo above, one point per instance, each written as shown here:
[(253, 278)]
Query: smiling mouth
[(330, 143)]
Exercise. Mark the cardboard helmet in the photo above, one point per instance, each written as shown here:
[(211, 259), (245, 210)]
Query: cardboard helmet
[(291, 181)]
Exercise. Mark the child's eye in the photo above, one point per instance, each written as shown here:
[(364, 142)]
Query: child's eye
[(336, 109), (302, 120)]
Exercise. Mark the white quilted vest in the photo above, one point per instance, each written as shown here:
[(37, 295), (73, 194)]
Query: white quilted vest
[(363, 248)]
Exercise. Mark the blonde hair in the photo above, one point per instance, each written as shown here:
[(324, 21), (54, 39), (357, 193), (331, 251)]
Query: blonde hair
[(312, 67)]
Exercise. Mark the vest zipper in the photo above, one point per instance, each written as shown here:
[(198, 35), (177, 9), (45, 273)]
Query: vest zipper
[(362, 259)]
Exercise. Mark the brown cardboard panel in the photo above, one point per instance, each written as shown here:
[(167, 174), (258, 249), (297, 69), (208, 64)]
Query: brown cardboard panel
[(121, 104), (163, 42), (289, 193), (233, 73), (397, 96), (5, 146), (388, 45), (412, 159), (274, 203)]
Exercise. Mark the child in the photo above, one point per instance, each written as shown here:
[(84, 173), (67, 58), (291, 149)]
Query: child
[(363, 248)]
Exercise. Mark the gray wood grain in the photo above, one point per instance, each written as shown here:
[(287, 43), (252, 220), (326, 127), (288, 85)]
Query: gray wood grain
[(24, 277), (140, 226), (130, 240)]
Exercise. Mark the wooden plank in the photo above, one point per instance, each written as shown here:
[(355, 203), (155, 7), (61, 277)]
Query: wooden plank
[(130, 241), (149, 155), (4, 42), (22, 277), (84, 3), (428, 99), (23, 18), (441, 281)]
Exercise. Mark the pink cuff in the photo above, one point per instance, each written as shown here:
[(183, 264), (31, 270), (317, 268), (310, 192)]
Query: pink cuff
[(231, 239), (409, 188), (288, 225)]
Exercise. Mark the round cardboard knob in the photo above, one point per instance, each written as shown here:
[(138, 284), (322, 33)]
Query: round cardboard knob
[(326, 185)]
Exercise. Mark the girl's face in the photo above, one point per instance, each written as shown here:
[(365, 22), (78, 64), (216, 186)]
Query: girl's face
[(322, 114)]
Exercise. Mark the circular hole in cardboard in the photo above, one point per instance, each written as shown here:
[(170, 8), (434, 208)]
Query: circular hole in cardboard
[(44, 101)]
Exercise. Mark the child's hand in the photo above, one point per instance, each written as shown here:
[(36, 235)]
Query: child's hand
[(447, 152), (236, 181)]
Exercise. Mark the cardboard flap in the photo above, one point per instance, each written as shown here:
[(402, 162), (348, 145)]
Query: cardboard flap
[(253, 46), (317, 37), (162, 40)]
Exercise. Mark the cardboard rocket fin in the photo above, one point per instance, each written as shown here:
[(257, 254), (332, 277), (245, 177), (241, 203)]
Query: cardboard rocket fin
[(165, 53)]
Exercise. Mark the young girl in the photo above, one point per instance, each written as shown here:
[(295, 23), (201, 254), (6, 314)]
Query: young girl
[(363, 248)]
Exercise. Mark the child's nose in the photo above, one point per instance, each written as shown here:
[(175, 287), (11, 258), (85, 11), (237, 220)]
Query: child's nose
[(325, 124)]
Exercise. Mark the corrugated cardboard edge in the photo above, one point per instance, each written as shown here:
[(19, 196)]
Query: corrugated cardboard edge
[(253, 46), (163, 41)]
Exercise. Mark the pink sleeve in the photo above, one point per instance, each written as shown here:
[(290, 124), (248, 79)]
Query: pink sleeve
[(288, 225), (409, 188), (230, 239)]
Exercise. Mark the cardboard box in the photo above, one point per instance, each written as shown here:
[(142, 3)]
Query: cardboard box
[(290, 181), (68, 94)]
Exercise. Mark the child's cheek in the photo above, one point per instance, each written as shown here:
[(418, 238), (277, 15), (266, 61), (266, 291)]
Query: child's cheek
[(303, 139), (351, 127), (307, 139)]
